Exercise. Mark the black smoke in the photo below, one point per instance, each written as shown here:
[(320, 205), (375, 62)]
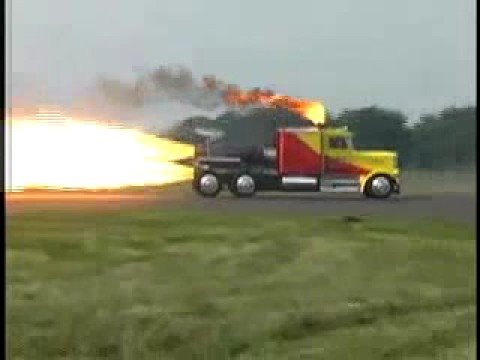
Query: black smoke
[(164, 84)]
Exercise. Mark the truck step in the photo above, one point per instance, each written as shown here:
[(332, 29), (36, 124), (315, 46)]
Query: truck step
[(339, 182), (340, 189)]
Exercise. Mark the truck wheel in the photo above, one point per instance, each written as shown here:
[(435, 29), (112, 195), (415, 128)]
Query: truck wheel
[(243, 186), (378, 187), (208, 185)]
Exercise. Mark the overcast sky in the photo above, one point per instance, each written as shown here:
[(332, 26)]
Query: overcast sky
[(414, 55)]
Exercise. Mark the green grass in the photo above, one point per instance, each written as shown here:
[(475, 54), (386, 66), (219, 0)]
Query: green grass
[(189, 285), (461, 181)]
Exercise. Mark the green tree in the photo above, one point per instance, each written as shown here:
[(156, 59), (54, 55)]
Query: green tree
[(447, 139), (184, 131), (253, 127), (258, 126), (377, 129)]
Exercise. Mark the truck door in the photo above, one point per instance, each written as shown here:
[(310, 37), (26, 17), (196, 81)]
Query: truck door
[(299, 152)]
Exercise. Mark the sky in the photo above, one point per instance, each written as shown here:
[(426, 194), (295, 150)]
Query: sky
[(413, 55)]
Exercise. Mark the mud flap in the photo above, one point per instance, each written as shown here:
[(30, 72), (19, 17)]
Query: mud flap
[(396, 188)]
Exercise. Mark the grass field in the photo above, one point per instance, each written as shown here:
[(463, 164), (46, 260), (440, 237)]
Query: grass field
[(437, 181), (184, 285)]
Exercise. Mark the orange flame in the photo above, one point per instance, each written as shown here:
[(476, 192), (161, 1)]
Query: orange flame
[(54, 151), (233, 95)]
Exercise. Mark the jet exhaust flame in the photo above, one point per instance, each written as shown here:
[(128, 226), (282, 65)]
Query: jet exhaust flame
[(50, 150)]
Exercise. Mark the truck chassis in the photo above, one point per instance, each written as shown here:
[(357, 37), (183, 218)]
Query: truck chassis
[(244, 176)]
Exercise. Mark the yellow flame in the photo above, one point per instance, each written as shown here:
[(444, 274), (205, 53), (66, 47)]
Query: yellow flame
[(316, 113), (54, 151), (312, 110)]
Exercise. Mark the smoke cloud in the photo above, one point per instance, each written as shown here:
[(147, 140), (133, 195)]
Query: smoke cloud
[(153, 102), (178, 84), (157, 99), (164, 84)]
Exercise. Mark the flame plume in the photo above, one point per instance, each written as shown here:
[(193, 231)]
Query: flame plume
[(54, 151), (234, 96)]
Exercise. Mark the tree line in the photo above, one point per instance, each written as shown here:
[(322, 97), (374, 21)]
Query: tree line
[(439, 140)]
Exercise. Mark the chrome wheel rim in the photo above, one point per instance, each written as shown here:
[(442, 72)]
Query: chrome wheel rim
[(381, 186), (245, 185), (209, 184)]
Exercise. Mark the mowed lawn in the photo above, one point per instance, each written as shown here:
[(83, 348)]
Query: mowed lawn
[(430, 182), (153, 284)]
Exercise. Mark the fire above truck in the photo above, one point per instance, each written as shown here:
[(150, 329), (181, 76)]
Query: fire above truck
[(315, 159)]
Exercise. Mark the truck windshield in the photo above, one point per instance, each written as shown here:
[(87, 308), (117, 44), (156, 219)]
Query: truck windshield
[(341, 142)]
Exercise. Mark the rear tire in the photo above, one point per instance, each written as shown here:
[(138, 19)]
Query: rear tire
[(207, 185), (243, 186), (378, 187)]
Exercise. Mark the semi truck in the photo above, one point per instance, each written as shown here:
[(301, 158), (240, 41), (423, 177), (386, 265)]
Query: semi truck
[(305, 159)]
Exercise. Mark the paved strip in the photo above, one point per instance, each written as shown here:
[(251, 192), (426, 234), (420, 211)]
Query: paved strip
[(457, 207)]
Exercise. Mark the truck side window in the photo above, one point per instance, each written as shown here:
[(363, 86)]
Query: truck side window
[(337, 142)]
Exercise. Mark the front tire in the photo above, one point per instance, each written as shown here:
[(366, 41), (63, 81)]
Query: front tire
[(243, 186), (378, 187), (208, 185)]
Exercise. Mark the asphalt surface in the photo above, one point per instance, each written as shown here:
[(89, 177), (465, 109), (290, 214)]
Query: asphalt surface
[(455, 207), (448, 206)]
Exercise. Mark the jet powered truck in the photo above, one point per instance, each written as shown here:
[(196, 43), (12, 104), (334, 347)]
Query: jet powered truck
[(305, 159)]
